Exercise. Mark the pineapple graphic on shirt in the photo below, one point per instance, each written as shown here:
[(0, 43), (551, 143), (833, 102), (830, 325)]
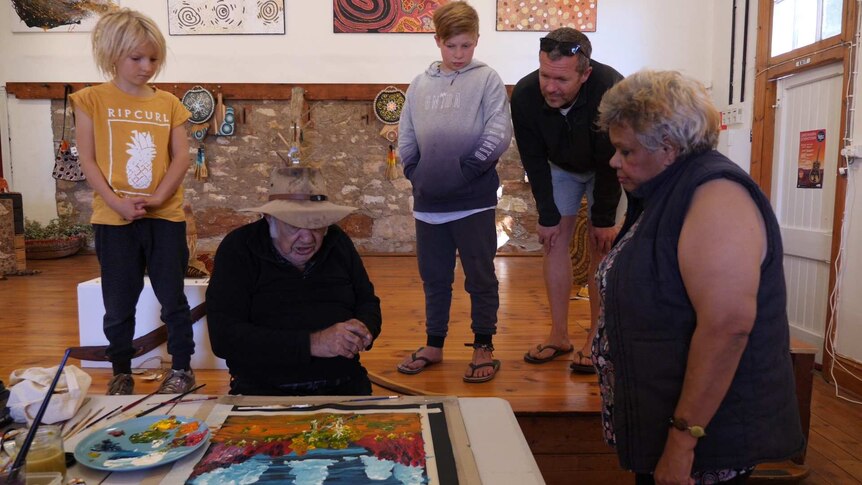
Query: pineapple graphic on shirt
[(142, 152)]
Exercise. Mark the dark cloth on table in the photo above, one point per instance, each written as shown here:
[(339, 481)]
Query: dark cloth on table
[(261, 310)]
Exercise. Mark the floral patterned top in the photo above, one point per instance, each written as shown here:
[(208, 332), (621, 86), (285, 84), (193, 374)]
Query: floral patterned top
[(602, 360)]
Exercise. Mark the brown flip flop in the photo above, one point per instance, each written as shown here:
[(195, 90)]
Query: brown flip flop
[(409, 371), (474, 367)]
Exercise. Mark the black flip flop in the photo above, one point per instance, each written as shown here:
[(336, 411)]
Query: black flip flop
[(581, 368), (558, 351)]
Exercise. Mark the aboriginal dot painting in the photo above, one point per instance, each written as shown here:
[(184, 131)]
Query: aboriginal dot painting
[(546, 15), (383, 16)]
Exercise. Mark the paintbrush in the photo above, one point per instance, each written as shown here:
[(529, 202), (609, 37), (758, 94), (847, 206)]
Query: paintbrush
[(84, 422), (375, 398), (169, 401), (18, 464), (100, 418), (78, 424), (183, 401), (133, 404)]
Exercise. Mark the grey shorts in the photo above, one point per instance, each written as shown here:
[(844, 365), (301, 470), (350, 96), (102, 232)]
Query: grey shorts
[(570, 188)]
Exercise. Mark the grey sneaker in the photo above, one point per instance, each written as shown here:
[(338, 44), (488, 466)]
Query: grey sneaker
[(177, 381), (121, 385)]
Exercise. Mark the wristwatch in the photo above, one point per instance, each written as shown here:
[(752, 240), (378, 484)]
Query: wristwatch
[(682, 425)]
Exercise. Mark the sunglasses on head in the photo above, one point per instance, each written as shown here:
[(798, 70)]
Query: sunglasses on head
[(567, 49)]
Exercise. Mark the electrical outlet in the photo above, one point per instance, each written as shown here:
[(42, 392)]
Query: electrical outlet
[(852, 151), (733, 115)]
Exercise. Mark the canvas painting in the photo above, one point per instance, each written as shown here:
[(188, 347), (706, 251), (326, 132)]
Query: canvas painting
[(383, 16), (546, 15), (329, 445), (58, 15), (202, 17)]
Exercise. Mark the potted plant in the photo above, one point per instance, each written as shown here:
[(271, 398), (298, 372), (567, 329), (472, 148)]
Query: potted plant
[(59, 238)]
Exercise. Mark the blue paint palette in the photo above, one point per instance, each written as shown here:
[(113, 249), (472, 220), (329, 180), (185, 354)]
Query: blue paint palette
[(141, 443)]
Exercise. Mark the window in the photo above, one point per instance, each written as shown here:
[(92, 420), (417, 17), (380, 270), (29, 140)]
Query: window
[(797, 23)]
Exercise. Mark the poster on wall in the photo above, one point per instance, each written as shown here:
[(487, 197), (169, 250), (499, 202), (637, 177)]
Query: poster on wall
[(58, 15), (812, 148), (546, 15), (383, 16), (208, 17)]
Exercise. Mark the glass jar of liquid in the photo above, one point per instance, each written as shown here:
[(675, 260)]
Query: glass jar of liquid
[(46, 452)]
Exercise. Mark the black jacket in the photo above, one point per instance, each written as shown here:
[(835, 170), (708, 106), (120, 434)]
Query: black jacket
[(261, 311), (572, 142)]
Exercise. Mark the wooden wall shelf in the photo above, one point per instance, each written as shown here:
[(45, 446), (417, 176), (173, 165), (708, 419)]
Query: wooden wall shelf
[(245, 91)]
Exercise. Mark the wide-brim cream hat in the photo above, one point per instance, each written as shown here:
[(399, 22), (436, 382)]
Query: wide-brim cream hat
[(297, 196)]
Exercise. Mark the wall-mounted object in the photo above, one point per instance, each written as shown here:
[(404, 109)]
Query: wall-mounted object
[(200, 103), (546, 15), (224, 120), (58, 15), (226, 17), (387, 108), (383, 16)]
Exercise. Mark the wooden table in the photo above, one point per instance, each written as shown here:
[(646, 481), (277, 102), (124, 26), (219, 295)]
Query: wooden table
[(483, 428)]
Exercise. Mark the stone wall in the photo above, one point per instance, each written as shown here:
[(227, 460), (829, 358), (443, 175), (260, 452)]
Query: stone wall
[(342, 137)]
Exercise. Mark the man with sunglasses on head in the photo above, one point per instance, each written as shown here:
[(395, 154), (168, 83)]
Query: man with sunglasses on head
[(554, 110)]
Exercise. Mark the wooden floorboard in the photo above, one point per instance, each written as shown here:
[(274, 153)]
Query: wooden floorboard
[(38, 320)]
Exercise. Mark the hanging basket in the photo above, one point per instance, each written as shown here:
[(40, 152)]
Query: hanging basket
[(53, 248)]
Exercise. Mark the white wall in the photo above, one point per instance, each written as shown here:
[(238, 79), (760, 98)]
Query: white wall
[(660, 34), (848, 335), (735, 141)]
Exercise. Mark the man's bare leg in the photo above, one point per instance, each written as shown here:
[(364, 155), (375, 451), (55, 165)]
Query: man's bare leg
[(557, 265), (596, 256)]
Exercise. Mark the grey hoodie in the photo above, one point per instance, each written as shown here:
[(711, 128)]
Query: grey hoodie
[(454, 127)]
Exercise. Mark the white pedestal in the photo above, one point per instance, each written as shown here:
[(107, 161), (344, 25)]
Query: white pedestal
[(91, 309)]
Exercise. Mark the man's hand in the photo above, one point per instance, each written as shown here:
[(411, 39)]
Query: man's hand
[(345, 339), (548, 236), (602, 238), (130, 209)]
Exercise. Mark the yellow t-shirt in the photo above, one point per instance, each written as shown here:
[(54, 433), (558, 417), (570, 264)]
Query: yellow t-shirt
[(132, 146)]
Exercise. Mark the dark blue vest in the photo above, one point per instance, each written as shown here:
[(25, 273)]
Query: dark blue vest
[(650, 320)]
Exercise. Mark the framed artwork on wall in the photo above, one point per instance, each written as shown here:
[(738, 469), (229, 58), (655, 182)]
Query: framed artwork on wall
[(209, 17), (383, 16), (546, 15), (58, 15)]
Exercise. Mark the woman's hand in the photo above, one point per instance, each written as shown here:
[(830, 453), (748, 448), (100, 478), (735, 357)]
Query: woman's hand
[(345, 339), (674, 466)]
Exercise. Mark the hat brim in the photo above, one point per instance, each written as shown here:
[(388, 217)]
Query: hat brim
[(304, 214)]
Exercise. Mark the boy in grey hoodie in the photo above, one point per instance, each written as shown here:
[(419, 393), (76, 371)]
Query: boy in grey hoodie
[(454, 127)]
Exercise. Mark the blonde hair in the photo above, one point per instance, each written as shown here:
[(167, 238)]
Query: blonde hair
[(120, 32), (455, 18), (663, 108)]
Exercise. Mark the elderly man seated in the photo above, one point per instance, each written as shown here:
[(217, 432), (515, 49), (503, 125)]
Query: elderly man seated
[(289, 304)]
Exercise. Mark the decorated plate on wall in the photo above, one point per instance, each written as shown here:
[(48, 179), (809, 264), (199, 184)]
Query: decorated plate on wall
[(141, 443), (201, 104), (388, 104)]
